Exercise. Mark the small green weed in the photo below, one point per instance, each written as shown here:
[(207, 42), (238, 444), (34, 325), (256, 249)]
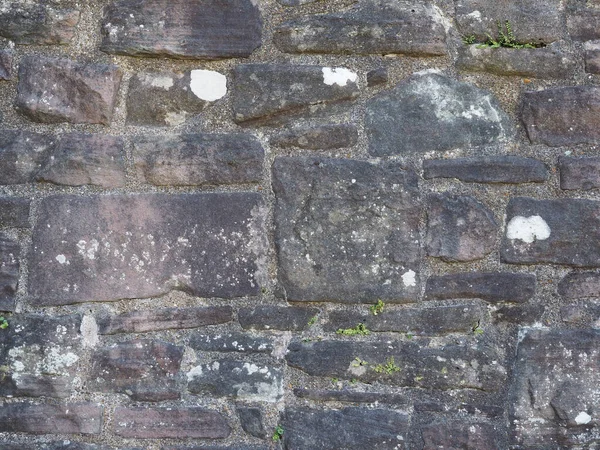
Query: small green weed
[(335, 380), (468, 40), (377, 308), (476, 329), (278, 433), (505, 39), (359, 329), (312, 320), (359, 362), (409, 335), (389, 367), (3, 323)]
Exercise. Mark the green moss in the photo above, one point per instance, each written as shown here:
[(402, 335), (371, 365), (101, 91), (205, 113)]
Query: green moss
[(389, 367), (359, 329)]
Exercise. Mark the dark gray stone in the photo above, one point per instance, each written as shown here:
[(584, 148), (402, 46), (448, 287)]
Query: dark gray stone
[(9, 272), (6, 61), (241, 380), (164, 319), (346, 230), (37, 22), (562, 116), (556, 384), (422, 321), (165, 423), (487, 169), (584, 314), (324, 137), (14, 212), (519, 315), (104, 248), (355, 428), (377, 76), (537, 21), (458, 435), (580, 285), (349, 396), (592, 56), (579, 173), (271, 94), (563, 231), (492, 287), (190, 29), (295, 2), (375, 27), (86, 159), (459, 228), (553, 61), (230, 342), (294, 318), (445, 366), (219, 447), (53, 90), (251, 419), (71, 418), (584, 25), (198, 159), (410, 118), (39, 355), (22, 155)]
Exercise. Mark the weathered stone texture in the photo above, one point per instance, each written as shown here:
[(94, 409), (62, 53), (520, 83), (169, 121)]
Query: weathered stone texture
[(73, 418), (377, 76), (9, 272), (323, 137), (579, 173), (104, 248), (276, 318), (251, 419), (455, 435), (231, 342), (22, 155), (270, 94), (433, 112), (14, 212), (6, 61), (375, 27), (348, 396), (592, 56), (459, 228), (346, 231), (198, 159), (53, 90), (519, 315), (584, 25), (194, 29), (580, 285)]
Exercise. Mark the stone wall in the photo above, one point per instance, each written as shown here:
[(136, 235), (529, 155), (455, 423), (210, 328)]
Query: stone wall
[(299, 224)]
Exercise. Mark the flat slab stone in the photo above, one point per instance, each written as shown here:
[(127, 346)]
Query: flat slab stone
[(519, 315), (6, 62), (348, 396), (584, 25), (230, 342), (10, 251), (562, 116), (104, 248), (323, 137), (487, 169), (271, 94), (375, 27), (54, 90), (198, 159), (293, 318), (410, 118), (563, 231), (23, 154), (190, 29), (358, 428), (579, 173), (14, 212), (492, 287), (346, 230), (580, 285), (592, 56), (71, 418), (555, 390), (456, 434)]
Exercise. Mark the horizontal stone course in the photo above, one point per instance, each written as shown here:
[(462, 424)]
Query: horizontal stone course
[(71, 418), (276, 318)]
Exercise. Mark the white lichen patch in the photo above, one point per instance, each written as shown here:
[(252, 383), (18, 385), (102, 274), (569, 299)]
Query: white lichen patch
[(527, 229), (164, 82), (61, 259), (583, 418), (338, 75), (208, 85), (409, 278), (89, 331), (195, 372)]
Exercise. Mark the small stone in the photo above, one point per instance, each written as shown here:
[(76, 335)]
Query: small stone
[(351, 396), (459, 228), (592, 56), (86, 159), (487, 169), (375, 27), (580, 285), (164, 319), (25, 22), (23, 154), (199, 159), (322, 137), (165, 423), (53, 90), (519, 315), (251, 419), (271, 94), (71, 418), (197, 29), (14, 212), (584, 25), (10, 251), (562, 116), (338, 238), (230, 342), (579, 173), (276, 318), (410, 119), (491, 287), (377, 76), (457, 435), (241, 380), (6, 61)]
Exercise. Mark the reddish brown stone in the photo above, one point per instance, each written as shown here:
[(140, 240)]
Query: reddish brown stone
[(78, 418), (22, 155), (6, 60), (14, 212), (37, 22)]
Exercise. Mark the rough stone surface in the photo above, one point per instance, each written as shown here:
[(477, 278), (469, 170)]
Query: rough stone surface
[(554, 399), (487, 169), (14, 212), (455, 435), (143, 369), (22, 155), (579, 173), (194, 29), (375, 27), (206, 244), (346, 231), (159, 423), (276, 318), (377, 76), (432, 112), (348, 396), (271, 94), (584, 25), (231, 342), (562, 116), (519, 315), (9, 272), (592, 56), (73, 418), (323, 137), (251, 419), (459, 228), (53, 90), (563, 231), (86, 159), (491, 287), (37, 22), (580, 285), (6, 61), (199, 159), (164, 319), (241, 380)]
